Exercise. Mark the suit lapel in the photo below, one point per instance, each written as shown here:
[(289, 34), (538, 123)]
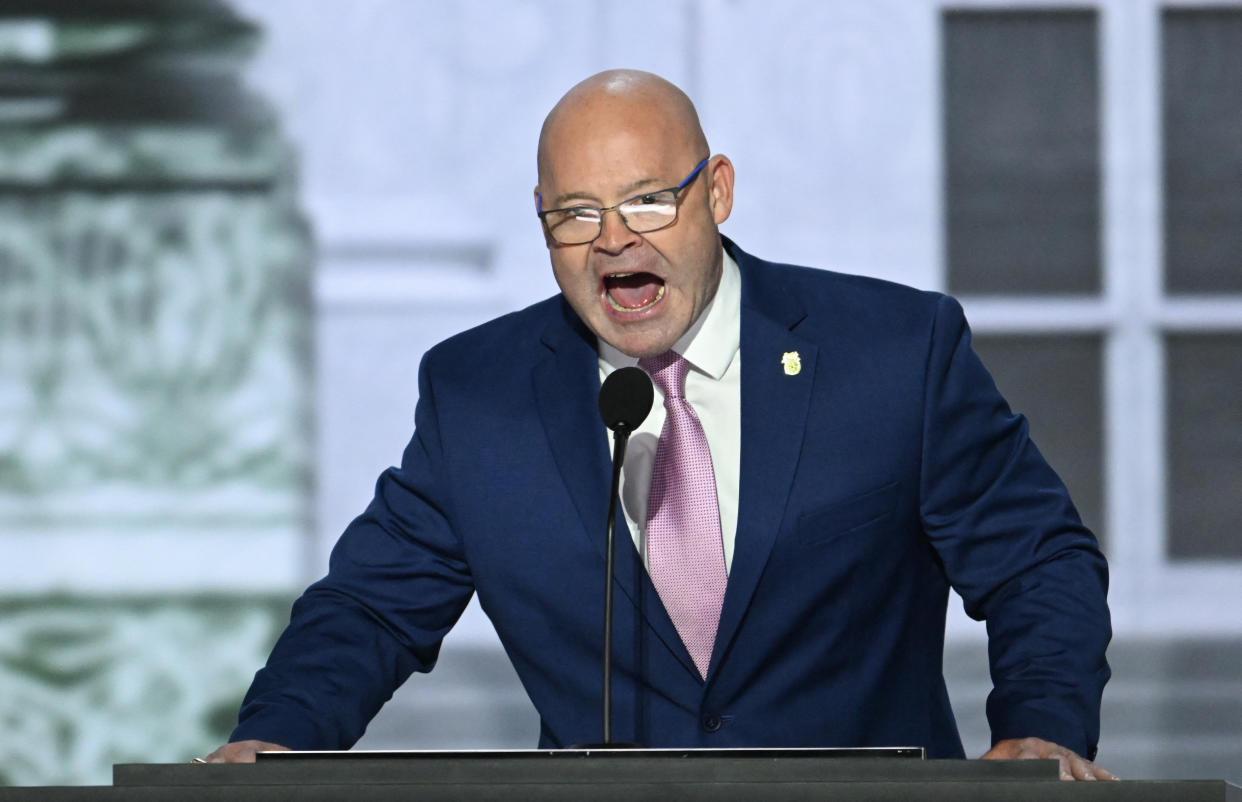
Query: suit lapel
[(566, 387), (775, 403), (566, 383)]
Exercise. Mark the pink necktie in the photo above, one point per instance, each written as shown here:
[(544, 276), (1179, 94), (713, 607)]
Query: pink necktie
[(685, 554)]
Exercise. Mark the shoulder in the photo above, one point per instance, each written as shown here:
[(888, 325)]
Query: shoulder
[(842, 300), (845, 288), (511, 342)]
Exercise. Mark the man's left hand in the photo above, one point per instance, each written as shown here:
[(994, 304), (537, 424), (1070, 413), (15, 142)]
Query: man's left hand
[(1073, 765)]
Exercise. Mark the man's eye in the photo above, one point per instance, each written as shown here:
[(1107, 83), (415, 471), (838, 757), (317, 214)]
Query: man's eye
[(648, 199), (583, 212)]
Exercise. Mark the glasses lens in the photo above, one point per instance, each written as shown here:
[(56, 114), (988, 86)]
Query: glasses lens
[(573, 226), (650, 212)]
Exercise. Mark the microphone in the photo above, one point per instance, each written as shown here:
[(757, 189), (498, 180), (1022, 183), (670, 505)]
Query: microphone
[(624, 401)]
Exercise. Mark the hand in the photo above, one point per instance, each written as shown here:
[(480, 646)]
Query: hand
[(1073, 766), (243, 751)]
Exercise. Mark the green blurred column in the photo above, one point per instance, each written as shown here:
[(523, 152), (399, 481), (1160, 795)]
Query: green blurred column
[(155, 431)]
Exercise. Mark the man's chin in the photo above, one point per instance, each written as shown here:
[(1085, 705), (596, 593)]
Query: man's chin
[(651, 335), (640, 348)]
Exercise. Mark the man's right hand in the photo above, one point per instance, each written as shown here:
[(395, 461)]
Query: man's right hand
[(243, 751)]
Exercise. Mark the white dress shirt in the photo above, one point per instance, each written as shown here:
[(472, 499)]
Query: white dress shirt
[(714, 390)]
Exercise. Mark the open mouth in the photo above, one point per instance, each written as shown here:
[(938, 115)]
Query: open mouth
[(633, 292)]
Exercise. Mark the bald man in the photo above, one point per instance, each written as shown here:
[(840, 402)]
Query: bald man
[(853, 460)]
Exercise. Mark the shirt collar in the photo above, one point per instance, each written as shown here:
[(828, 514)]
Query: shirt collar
[(711, 343)]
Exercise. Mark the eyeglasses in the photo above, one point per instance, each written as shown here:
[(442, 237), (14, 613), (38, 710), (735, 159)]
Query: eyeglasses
[(642, 214)]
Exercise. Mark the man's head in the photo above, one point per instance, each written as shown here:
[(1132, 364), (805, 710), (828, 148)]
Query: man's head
[(610, 139)]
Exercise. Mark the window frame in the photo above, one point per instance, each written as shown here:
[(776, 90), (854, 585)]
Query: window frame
[(1150, 593)]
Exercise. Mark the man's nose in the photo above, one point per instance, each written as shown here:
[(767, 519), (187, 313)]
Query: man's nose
[(614, 236)]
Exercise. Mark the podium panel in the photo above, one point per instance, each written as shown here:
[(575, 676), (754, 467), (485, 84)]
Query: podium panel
[(587, 766), (621, 775)]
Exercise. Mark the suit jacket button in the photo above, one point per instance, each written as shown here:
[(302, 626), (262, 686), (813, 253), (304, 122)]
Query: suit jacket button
[(711, 722)]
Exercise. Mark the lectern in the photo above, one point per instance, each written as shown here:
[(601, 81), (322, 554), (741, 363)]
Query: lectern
[(719, 775), (621, 775)]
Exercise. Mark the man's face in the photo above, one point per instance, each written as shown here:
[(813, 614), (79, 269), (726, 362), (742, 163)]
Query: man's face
[(638, 292)]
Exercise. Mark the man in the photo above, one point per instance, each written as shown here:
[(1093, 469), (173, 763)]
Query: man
[(828, 457)]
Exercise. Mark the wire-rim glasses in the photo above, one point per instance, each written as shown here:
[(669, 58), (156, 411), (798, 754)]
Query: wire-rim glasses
[(642, 214)]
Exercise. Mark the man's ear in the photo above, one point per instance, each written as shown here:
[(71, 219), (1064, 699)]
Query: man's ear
[(720, 187), (547, 238)]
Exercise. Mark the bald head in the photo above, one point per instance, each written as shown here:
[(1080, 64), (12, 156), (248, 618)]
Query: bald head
[(618, 98)]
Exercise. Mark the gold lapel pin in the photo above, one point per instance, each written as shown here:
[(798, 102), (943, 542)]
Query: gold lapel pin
[(791, 362)]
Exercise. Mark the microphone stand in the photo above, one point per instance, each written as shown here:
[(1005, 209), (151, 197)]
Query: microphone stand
[(624, 401), (620, 436)]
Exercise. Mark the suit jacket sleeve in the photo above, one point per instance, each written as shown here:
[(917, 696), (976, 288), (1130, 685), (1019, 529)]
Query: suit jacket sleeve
[(397, 582), (1015, 549)]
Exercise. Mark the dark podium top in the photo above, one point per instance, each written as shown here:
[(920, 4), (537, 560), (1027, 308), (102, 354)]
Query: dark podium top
[(716, 775)]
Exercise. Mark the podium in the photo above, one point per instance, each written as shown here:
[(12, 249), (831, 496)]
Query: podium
[(680, 774)]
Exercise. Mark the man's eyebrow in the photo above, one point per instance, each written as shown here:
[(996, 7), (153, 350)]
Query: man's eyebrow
[(634, 186), (561, 201)]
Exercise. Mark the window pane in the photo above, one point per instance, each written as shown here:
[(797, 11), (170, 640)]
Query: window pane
[(1202, 97), (1203, 374), (1022, 156), (1055, 381)]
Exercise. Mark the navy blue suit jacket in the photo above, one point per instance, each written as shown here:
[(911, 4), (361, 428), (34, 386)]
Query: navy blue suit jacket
[(885, 471)]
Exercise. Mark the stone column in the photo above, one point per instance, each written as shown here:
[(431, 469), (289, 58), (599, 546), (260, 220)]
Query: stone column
[(155, 337)]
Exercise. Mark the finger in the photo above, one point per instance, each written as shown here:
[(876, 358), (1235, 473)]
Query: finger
[(1102, 773), (1063, 762), (231, 753), (236, 752), (1004, 750), (1082, 769)]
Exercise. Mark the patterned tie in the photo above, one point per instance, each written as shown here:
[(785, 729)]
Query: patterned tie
[(684, 549)]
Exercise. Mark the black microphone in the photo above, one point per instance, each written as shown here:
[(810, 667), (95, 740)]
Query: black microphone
[(625, 399), (624, 402)]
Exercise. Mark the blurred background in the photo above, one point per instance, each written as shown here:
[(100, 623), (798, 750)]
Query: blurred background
[(230, 228)]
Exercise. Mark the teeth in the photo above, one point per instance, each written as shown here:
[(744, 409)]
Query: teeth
[(619, 275), (620, 308)]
